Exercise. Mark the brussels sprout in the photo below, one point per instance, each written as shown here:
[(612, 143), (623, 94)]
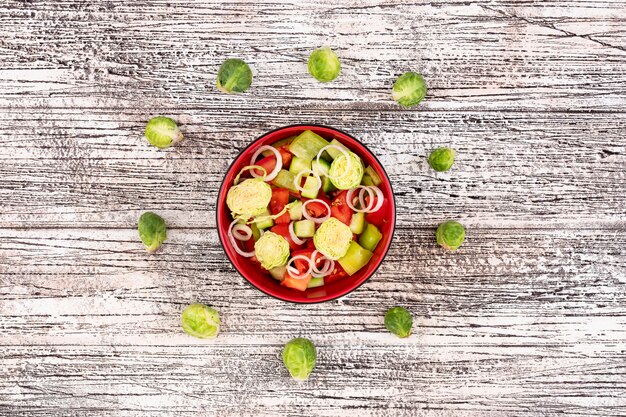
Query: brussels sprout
[(152, 231), (441, 159), (163, 132), (409, 89), (399, 321), (271, 250), (200, 321), (450, 235), (345, 179), (249, 198), (299, 358), (234, 76), (333, 238), (324, 64)]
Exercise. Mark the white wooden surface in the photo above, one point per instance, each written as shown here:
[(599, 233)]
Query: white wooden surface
[(527, 319)]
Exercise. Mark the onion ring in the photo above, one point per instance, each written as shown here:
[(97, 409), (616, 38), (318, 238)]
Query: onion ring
[(350, 199), (233, 242), (246, 168), (343, 151), (295, 238), (314, 219), (293, 272), (298, 178), (278, 167)]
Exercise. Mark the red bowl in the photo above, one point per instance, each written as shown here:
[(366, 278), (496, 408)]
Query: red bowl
[(266, 283)]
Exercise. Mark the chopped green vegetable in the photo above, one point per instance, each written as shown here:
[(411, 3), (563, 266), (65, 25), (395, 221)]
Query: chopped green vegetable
[(298, 165), (264, 220), (249, 198), (315, 282), (355, 258), (285, 179), (367, 180), (357, 223), (256, 232), (278, 273), (343, 176), (152, 231), (450, 235), (333, 152), (399, 321), (200, 321), (304, 228), (299, 357), (271, 250), (370, 237), (324, 64), (234, 76), (311, 187), (409, 89), (371, 172), (163, 132), (332, 239), (441, 159), (307, 145), (295, 211)]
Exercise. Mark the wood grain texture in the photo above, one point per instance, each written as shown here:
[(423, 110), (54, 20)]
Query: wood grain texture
[(526, 319)]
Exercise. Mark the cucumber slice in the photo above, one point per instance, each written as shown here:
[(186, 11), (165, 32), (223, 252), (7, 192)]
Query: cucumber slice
[(295, 211), (310, 187), (357, 224), (334, 153), (370, 237), (298, 165), (304, 228), (279, 272), (307, 145), (256, 233), (367, 180), (315, 282), (285, 179), (267, 222), (327, 185), (321, 167), (376, 180), (355, 259)]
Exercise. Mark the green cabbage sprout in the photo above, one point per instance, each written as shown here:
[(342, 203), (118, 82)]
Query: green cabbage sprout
[(345, 179), (249, 198), (450, 235), (234, 76), (271, 250), (441, 159), (299, 357), (152, 231), (399, 321), (324, 64), (163, 132), (333, 238), (409, 89), (200, 321)]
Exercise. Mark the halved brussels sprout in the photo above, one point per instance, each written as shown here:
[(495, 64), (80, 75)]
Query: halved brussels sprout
[(163, 132), (200, 321), (234, 76), (324, 64), (152, 231), (249, 198), (342, 177), (299, 357), (441, 159), (399, 321), (409, 89), (271, 250), (450, 235), (333, 238)]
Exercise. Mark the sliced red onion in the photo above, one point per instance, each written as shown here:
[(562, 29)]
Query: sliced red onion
[(309, 217), (279, 162), (293, 272), (241, 232), (233, 241), (350, 199), (343, 151), (298, 179), (295, 238)]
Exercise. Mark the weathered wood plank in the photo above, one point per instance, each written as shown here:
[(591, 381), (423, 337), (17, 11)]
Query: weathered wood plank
[(93, 168)]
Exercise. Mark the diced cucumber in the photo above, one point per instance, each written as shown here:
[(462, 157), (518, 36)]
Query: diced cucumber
[(315, 282), (285, 179), (307, 145), (311, 188), (370, 237), (295, 211), (278, 273), (266, 221), (355, 259), (298, 165), (334, 153), (327, 185), (256, 233), (304, 228), (367, 180), (321, 167), (376, 180), (357, 224)]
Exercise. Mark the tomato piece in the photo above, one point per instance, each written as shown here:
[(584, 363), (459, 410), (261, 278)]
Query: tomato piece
[(296, 284), (283, 230), (310, 244), (340, 210), (337, 274), (280, 198), (285, 156), (380, 217)]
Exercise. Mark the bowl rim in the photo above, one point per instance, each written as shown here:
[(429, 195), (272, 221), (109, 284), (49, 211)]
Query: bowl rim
[(221, 191)]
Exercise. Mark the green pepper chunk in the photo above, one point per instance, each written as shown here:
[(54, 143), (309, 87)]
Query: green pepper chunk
[(370, 237), (355, 259)]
